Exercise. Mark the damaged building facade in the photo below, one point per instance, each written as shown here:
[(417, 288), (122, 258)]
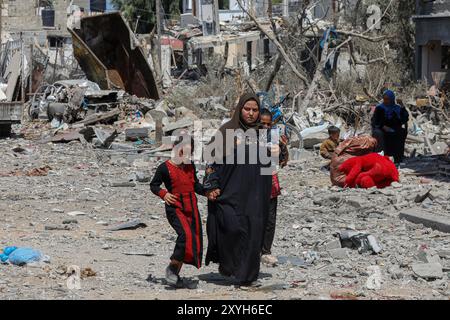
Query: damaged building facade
[(432, 22)]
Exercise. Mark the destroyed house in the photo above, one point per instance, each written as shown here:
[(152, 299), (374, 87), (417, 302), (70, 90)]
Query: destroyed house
[(44, 18), (244, 49), (432, 21)]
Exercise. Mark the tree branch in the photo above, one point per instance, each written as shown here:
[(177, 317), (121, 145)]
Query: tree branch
[(277, 44)]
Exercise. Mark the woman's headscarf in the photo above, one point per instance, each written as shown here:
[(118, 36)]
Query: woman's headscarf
[(391, 108), (237, 122)]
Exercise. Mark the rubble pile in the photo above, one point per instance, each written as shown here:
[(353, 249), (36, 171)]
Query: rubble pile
[(75, 171), (331, 243)]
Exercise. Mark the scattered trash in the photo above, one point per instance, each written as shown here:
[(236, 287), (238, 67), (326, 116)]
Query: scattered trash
[(343, 295), (310, 256), (421, 197), (145, 254), (295, 261), (70, 221), (22, 256), (53, 227), (361, 241), (76, 213), (375, 278), (36, 172), (88, 272)]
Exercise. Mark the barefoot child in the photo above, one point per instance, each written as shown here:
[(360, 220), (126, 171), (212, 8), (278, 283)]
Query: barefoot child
[(181, 184)]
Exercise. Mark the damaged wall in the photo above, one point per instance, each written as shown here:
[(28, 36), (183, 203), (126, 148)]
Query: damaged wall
[(432, 38), (21, 15)]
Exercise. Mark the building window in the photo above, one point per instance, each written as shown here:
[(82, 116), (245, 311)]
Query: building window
[(98, 5), (445, 58), (224, 4), (56, 42)]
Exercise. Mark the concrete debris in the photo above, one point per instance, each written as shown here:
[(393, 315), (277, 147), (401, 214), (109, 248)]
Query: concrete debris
[(428, 219), (340, 253), (91, 138), (132, 225), (428, 271), (76, 213), (103, 138), (133, 134), (375, 279)]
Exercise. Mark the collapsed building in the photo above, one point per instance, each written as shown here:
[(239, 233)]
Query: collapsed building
[(432, 46)]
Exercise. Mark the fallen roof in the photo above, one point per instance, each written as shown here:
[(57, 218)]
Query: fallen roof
[(109, 54)]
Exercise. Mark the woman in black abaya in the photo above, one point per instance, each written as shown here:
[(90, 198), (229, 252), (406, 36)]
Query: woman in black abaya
[(239, 198)]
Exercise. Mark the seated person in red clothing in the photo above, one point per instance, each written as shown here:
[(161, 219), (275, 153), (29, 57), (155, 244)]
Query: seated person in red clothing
[(371, 170), (181, 184)]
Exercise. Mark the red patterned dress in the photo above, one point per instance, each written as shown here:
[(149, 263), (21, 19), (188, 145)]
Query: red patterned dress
[(183, 216)]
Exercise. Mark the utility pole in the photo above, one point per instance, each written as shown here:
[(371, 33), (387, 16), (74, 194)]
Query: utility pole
[(269, 9), (22, 69), (158, 30), (285, 8), (1, 20), (216, 17)]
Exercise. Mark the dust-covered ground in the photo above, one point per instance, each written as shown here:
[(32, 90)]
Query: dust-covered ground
[(310, 213)]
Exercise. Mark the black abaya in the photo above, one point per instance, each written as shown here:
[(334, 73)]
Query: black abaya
[(392, 143), (236, 220)]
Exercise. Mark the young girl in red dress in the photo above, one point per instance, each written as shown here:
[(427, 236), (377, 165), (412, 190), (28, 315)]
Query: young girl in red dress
[(181, 185)]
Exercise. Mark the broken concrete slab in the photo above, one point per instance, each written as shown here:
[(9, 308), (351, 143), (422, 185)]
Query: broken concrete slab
[(100, 117), (430, 220), (126, 184), (335, 244), (132, 134), (180, 124), (340, 253), (132, 225), (428, 271), (104, 138), (66, 227), (76, 213), (444, 253)]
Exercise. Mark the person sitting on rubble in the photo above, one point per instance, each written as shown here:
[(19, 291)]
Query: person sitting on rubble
[(267, 257), (329, 145), (181, 184), (387, 127)]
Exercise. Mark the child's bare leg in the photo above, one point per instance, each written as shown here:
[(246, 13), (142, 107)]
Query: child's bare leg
[(176, 265)]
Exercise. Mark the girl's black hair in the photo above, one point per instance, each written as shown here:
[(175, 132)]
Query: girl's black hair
[(266, 112), (183, 137)]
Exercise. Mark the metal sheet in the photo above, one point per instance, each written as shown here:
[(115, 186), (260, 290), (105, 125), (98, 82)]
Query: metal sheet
[(108, 53)]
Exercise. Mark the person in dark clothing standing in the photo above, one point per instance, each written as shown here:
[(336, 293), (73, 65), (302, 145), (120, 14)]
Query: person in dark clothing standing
[(267, 257), (387, 127), (239, 196), (180, 180)]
